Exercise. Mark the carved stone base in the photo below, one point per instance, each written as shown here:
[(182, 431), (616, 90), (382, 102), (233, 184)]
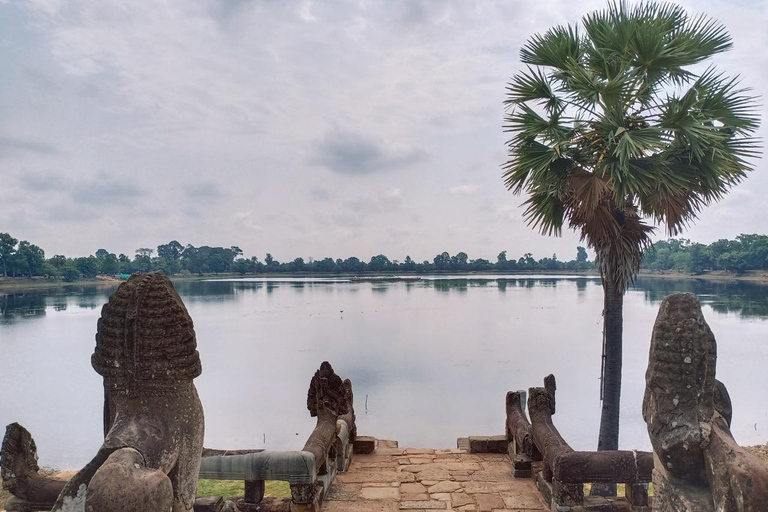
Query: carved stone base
[(567, 494), (209, 504), (637, 494), (364, 445), (521, 466), (488, 444), (673, 495), (314, 506)]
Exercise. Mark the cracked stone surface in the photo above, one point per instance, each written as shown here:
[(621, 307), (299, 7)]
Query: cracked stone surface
[(401, 480)]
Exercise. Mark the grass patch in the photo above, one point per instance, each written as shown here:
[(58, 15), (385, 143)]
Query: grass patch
[(234, 488)]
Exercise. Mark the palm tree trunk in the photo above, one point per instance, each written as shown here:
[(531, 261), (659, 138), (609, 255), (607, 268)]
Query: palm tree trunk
[(611, 383)]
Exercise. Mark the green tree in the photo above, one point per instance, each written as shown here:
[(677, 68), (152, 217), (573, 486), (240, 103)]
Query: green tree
[(442, 261), (460, 261), (110, 264), (614, 130), (379, 263), (143, 258), (172, 250), (31, 259), (7, 249), (87, 267), (58, 261), (581, 255)]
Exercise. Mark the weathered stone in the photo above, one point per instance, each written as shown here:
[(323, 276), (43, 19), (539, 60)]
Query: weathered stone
[(419, 451), (597, 504), (380, 493), (445, 486), (737, 479), (637, 494), (153, 419), (364, 445), (209, 504), (368, 506), (697, 463), (441, 496), (459, 499), (678, 403), (492, 476), (541, 407), (462, 466), (567, 494), (604, 466), (413, 487), (20, 471), (487, 487), (488, 444), (343, 492), (518, 427), (327, 400), (433, 474), (488, 502), (356, 477), (523, 500), (423, 505)]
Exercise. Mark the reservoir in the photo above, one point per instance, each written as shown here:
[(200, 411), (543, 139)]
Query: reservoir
[(429, 360)]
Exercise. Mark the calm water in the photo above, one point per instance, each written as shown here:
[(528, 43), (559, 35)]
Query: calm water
[(434, 358)]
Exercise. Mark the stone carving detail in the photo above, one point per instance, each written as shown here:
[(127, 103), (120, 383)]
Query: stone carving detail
[(327, 399), (19, 469), (350, 417), (327, 391), (153, 418), (698, 466)]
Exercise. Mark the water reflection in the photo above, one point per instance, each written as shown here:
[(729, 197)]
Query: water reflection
[(743, 298), (433, 357)]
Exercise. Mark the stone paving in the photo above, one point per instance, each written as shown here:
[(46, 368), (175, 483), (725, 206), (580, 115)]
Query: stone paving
[(393, 479)]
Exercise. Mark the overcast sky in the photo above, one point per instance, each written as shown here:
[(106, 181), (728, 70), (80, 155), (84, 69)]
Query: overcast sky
[(305, 128)]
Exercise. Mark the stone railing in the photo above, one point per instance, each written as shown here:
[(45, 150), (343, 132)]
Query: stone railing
[(538, 451), (699, 465), (309, 472)]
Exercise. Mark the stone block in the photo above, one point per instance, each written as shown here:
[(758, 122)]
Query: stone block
[(423, 505), (567, 494), (380, 493), (488, 502), (445, 486), (637, 494), (209, 504), (364, 445), (488, 444), (597, 504)]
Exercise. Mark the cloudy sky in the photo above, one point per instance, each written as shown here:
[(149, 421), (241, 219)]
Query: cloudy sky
[(298, 128)]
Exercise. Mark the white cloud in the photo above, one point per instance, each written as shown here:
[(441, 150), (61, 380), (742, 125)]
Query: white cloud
[(326, 127), (467, 189)]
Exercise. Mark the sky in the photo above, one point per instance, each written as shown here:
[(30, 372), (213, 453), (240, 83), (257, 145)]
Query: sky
[(299, 128)]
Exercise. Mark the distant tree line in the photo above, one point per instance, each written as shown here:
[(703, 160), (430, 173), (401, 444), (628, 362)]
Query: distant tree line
[(746, 252), (23, 259)]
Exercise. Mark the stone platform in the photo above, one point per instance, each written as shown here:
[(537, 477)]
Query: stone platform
[(393, 479)]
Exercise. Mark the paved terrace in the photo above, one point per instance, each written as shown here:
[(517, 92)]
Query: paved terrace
[(393, 479)]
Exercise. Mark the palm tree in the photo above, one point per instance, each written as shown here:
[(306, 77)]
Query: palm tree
[(615, 130)]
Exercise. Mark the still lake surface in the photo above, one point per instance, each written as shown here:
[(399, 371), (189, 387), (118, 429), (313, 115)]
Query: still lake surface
[(433, 359)]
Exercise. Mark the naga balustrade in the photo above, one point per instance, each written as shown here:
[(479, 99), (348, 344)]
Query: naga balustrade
[(538, 451), (309, 472)]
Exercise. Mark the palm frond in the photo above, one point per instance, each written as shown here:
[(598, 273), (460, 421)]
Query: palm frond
[(556, 48), (532, 85)]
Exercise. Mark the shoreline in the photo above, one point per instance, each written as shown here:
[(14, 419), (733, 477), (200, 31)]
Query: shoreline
[(22, 284)]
